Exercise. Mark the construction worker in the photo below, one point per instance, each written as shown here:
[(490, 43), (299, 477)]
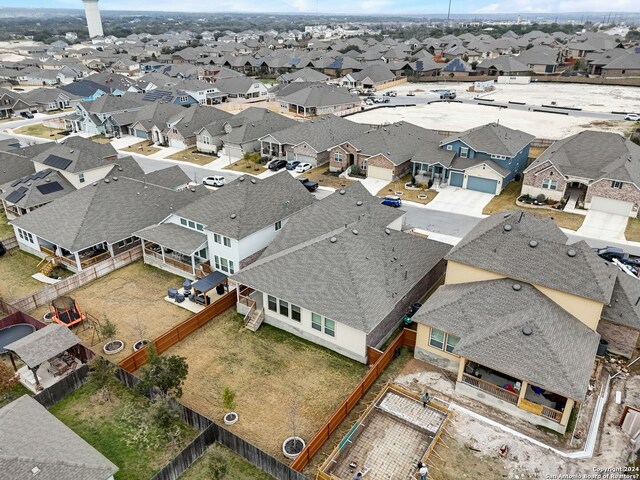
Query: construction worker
[(424, 471), (425, 399)]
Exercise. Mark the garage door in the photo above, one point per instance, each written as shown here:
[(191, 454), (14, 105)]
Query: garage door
[(379, 172), (141, 134), (176, 143), (479, 184), (607, 205), (456, 179), (306, 159)]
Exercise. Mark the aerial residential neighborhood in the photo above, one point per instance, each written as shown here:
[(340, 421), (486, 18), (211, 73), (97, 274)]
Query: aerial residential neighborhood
[(338, 242)]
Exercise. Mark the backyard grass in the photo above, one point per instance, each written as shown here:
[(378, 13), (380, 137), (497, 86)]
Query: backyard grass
[(246, 166), (271, 372), (9, 395), (535, 152), (325, 178), (101, 139), (130, 296), (191, 155), (6, 230), (39, 130), (411, 195), (632, 233), (238, 467), (142, 148), (16, 268), (110, 427), (507, 201)]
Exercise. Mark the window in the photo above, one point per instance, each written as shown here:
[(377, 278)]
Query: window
[(26, 236), (295, 313), (217, 238), (202, 253), (192, 224), (223, 264), (284, 308), (227, 241), (330, 327), (81, 177), (616, 185), (205, 139), (498, 157), (550, 184), (316, 322), (449, 147), (452, 341), (436, 338), (338, 157), (199, 227), (272, 303), (184, 99), (278, 225), (183, 221), (464, 152)]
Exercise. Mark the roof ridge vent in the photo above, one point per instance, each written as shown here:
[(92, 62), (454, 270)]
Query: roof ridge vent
[(253, 180), (507, 227), (233, 216), (354, 231), (517, 287), (333, 239), (342, 192), (359, 203), (387, 231), (241, 179), (106, 180), (533, 243), (571, 252), (527, 330)]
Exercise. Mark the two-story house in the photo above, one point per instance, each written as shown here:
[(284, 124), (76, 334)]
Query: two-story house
[(483, 159), (94, 117), (520, 318)]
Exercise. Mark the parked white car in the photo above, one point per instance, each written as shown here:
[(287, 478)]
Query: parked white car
[(213, 181), (633, 116), (303, 167)]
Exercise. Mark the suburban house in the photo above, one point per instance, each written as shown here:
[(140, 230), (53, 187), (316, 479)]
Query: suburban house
[(12, 103), (27, 193), (340, 274), (303, 75), (79, 160), (520, 317), (240, 134), (310, 141), (310, 100), (592, 170), (226, 229), (50, 99), (32, 440), (242, 88), (502, 65), (95, 223), (484, 159), (371, 77), (624, 66), (93, 116), (540, 59)]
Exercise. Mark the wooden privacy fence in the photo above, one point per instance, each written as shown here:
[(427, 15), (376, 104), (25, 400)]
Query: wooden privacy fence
[(51, 292), (168, 339), (9, 242), (406, 338)]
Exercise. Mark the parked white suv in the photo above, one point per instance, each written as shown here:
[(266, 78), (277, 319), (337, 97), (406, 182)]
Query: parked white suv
[(633, 116), (214, 181)]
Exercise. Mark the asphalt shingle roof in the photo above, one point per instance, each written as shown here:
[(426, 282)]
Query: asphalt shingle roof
[(44, 344), (493, 138), (83, 154), (624, 308), (175, 237), (320, 95)]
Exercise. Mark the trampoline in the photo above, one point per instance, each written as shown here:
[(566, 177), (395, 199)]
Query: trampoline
[(65, 311), (12, 333)]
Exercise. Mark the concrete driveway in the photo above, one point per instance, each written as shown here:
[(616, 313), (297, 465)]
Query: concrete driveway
[(603, 225), (461, 201), (374, 185)]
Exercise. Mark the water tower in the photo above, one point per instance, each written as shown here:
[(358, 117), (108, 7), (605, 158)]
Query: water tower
[(94, 22)]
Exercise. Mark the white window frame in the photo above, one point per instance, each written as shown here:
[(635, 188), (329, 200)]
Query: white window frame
[(338, 157), (205, 139), (616, 184), (330, 331), (449, 147), (226, 241), (464, 152), (223, 264), (275, 303)]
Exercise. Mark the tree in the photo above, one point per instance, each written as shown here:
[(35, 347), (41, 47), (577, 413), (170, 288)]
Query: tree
[(108, 329), (166, 374), (348, 48), (218, 466), (102, 374), (8, 378)]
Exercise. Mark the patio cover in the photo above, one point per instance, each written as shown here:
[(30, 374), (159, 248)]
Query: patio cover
[(210, 282), (175, 237), (43, 344)]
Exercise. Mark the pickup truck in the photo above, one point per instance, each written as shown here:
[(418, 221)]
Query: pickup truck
[(308, 184)]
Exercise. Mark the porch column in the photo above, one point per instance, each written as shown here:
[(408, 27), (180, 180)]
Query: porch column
[(523, 391), (13, 362), (162, 252), (110, 248), (568, 408), (77, 257), (193, 265), (34, 370), (461, 365)]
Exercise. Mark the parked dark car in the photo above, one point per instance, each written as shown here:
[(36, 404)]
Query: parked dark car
[(26, 114), (609, 253), (277, 165), (292, 164), (308, 184)]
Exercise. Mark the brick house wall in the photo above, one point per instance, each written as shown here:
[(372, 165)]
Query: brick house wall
[(602, 188), (188, 141), (617, 72), (306, 150), (532, 184), (345, 149), (382, 162), (622, 339)]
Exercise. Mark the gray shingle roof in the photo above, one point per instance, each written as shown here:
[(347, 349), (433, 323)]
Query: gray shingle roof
[(44, 344), (493, 138), (504, 63), (254, 123), (175, 237), (321, 95), (13, 166), (255, 202), (105, 212), (624, 308), (461, 163), (490, 247), (489, 317), (594, 155), (83, 154), (37, 189), (32, 437)]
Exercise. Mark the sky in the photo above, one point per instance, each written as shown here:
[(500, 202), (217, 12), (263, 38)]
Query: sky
[(398, 7)]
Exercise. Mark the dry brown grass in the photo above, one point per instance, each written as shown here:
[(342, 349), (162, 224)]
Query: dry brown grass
[(142, 148), (132, 293), (325, 178), (411, 195), (101, 139), (632, 233), (535, 152), (16, 268), (246, 166), (507, 201), (191, 155), (265, 369), (39, 130)]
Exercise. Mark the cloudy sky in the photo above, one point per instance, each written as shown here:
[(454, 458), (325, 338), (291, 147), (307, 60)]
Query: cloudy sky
[(341, 6)]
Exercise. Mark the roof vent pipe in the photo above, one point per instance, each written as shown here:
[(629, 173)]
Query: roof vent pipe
[(507, 227), (527, 330), (572, 253), (533, 243)]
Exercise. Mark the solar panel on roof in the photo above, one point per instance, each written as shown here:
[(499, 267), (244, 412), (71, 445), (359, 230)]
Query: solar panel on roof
[(49, 188), (16, 195), (57, 162)]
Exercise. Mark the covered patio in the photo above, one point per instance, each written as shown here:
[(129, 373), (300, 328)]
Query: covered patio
[(175, 249), (54, 345)]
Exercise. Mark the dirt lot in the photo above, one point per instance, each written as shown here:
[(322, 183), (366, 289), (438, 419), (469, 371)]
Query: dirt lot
[(16, 268), (39, 130), (101, 139), (128, 295), (271, 372), (191, 155)]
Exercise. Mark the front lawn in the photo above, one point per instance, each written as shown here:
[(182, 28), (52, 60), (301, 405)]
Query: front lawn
[(247, 166), (507, 201), (121, 430), (632, 233), (325, 178), (141, 148), (238, 467), (272, 374), (6, 230), (39, 130), (411, 195), (101, 139), (16, 268), (192, 155)]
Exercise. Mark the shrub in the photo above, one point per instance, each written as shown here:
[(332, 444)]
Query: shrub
[(430, 183), (8, 378), (356, 170), (413, 179), (102, 375), (541, 198), (228, 398), (166, 374), (108, 329), (218, 467)]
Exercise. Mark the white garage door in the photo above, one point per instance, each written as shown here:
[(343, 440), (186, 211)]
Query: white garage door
[(379, 172), (615, 207), (234, 151), (176, 143), (306, 159)]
